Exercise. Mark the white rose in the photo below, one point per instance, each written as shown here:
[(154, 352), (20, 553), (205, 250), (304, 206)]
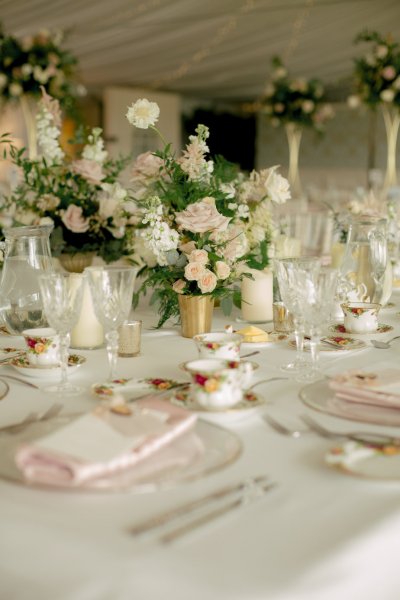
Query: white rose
[(278, 187), (222, 270), (387, 95), (194, 270), (207, 282)]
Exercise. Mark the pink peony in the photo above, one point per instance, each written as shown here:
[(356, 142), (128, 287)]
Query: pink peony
[(207, 282), (88, 169), (74, 220), (202, 216)]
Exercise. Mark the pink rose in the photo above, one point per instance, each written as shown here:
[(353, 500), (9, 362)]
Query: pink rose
[(207, 282), (88, 169), (146, 165), (179, 286), (73, 219), (222, 269), (202, 216), (194, 270), (199, 256), (389, 73)]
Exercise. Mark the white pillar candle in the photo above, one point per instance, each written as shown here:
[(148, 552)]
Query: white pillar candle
[(257, 296), (88, 332)]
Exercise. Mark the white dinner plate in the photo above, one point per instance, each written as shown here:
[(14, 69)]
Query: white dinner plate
[(365, 461), (251, 405), (130, 388), (23, 366), (205, 449), (321, 397)]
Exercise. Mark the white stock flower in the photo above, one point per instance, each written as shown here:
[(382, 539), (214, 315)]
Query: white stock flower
[(94, 150), (160, 238), (143, 113), (47, 136)]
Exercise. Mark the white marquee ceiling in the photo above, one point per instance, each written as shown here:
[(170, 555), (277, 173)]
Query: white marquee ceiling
[(213, 49)]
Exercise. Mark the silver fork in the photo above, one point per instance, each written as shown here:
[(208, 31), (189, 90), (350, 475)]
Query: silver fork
[(294, 433), (364, 437)]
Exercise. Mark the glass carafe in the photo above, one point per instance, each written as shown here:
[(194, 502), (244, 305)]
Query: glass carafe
[(364, 265), (26, 255)]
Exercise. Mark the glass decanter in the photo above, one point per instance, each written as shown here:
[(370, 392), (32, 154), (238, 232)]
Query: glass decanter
[(364, 262), (27, 255)]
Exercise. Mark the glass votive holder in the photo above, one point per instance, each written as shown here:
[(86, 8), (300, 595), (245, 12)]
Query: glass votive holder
[(129, 338), (283, 320)]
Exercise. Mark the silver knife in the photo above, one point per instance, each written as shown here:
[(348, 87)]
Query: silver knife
[(187, 508), (213, 514)]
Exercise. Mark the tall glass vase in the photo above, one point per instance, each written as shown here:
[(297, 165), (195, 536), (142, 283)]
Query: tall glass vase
[(294, 133), (391, 117)]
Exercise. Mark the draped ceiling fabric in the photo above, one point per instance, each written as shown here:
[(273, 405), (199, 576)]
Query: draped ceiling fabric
[(213, 49)]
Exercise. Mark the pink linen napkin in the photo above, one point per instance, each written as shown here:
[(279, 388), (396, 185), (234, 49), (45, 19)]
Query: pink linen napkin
[(379, 386), (102, 443)]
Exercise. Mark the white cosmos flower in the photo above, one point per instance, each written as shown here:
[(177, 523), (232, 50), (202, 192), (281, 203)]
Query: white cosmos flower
[(143, 113)]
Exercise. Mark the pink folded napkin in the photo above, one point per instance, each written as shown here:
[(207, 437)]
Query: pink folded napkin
[(379, 386), (102, 443)]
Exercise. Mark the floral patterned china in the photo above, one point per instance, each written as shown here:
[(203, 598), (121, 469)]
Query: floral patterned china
[(340, 328), (218, 345), (334, 343), (134, 387), (366, 461), (22, 364), (360, 317)]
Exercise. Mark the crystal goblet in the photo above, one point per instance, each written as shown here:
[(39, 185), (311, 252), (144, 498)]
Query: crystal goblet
[(112, 293), (62, 302)]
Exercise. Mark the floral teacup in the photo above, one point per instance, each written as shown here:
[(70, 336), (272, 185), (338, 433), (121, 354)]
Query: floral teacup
[(360, 317), (42, 345), (218, 345), (218, 384)]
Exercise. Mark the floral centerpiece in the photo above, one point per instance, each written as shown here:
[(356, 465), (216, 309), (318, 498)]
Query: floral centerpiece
[(82, 198), (202, 220), (35, 61), (377, 83), (294, 103)]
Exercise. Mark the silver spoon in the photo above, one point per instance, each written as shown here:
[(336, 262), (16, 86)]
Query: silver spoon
[(383, 345)]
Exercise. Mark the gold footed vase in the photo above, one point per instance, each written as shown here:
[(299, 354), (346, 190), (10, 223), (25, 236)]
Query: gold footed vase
[(196, 314), (76, 263)]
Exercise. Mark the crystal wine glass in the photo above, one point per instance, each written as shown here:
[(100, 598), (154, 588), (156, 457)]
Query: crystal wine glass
[(285, 272), (316, 291), (62, 302), (112, 292)]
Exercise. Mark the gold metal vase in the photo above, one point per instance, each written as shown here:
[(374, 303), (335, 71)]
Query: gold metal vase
[(76, 263), (196, 314)]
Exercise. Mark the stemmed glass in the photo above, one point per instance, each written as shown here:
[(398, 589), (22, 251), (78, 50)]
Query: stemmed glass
[(112, 292), (62, 303), (286, 268), (316, 291)]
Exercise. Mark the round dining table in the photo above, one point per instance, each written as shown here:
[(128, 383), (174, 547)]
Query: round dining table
[(315, 532)]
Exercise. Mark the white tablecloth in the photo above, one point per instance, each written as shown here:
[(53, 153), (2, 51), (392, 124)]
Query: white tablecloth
[(320, 534)]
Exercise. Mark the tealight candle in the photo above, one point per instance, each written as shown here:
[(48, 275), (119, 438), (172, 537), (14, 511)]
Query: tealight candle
[(257, 296)]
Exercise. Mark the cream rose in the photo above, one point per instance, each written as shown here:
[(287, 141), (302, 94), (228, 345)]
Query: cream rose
[(278, 187), (207, 281), (179, 286), (146, 165), (199, 256), (88, 169), (187, 248), (74, 220), (202, 216), (194, 270), (222, 270)]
